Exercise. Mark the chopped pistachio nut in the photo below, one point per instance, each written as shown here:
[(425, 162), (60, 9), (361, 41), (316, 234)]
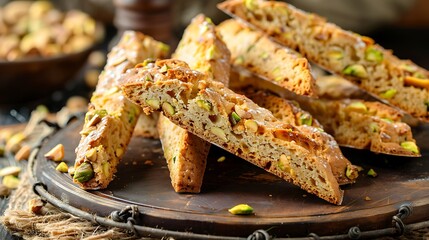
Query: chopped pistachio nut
[(410, 146), (168, 108), (251, 125), (101, 112), (241, 209), (84, 172), (119, 152), (357, 107), (234, 118), (56, 153), (355, 70), (416, 82), (14, 142), (351, 172), (305, 119), (372, 173), (106, 168), (91, 154), (373, 127), (112, 91), (210, 53), (419, 75), (11, 170), (284, 163), (174, 159), (373, 55), (204, 104), (221, 159), (264, 55), (164, 69), (336, 54), (164, 47), (62, 167), (388, 93), (408, 68), (219, 132), (23, 153), (250, 4), (387, 120), (10, 181), (153, 103)]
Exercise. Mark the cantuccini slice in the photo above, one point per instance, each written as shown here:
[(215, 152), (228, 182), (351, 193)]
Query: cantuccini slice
[(111, 117), (353, 123), (186, 154), (256, 52), (215, 113), (289, 112), (357, 58)]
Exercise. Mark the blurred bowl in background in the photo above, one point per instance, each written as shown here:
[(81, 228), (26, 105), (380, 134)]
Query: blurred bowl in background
[(33, 78)]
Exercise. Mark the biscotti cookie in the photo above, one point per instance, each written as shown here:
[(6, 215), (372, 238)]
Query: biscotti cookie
[(357, 58), (288, 112), (215, 113), (111, 118), (255, 52), (146, 126), (186, 154), (353, 123)]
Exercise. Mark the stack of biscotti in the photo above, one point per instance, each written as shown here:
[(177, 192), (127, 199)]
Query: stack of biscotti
[(254, 51), (186, 154), (357, 58), (110, 120), (213, 112), (353, 123)]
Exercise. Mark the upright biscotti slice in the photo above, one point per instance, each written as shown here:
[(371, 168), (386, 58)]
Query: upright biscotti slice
[(353, 123), (255, 52), (288, 112), (215, 113), (357, 58), (186, 154), (111, 117)]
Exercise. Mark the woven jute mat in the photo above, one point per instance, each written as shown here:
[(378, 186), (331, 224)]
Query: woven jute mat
[(52, 223)]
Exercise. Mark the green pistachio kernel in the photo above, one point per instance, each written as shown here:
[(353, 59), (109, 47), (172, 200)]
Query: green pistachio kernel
[(221, 159), (164, 68), (164, 47), (387, 120), (357, 107), (234, 118), (355, 70), (153, 103), (374, 128), (373, 55), (305, 119), (241, 209), (219, 132), (204, 104), (168, 108), (239, 60), (210, 53), (372, 173), (388, 93), (101, 112), (410, 146), (351, 172), (62, 167), (84, 173), (336, 54)]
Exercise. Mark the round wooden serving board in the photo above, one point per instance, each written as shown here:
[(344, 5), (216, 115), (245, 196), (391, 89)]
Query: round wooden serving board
[(286, 210)]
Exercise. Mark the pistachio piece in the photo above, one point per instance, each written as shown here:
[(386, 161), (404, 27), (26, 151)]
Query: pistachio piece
[(56, 153), (410, 146), (387, 120), (374, 128), (251, 125), (305, 119), (284, 163), (204, 104), (373, 55), (355, 70), (164, 68), (11, 181), (336, 54), (352, 172), (106, 168), (221, 159), (84, 172), (101, 112), (11, 170), (416, 82), (23, 153), (14, 142), (388, 93), (91, 154), (234, 118), (239, 60), (164, 47), (153, 103), (219, 132), (372, 173), (357, 107), (62, 167), (250, 4), (168, 108), (211, 53), (93, 121), (241, 209)]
